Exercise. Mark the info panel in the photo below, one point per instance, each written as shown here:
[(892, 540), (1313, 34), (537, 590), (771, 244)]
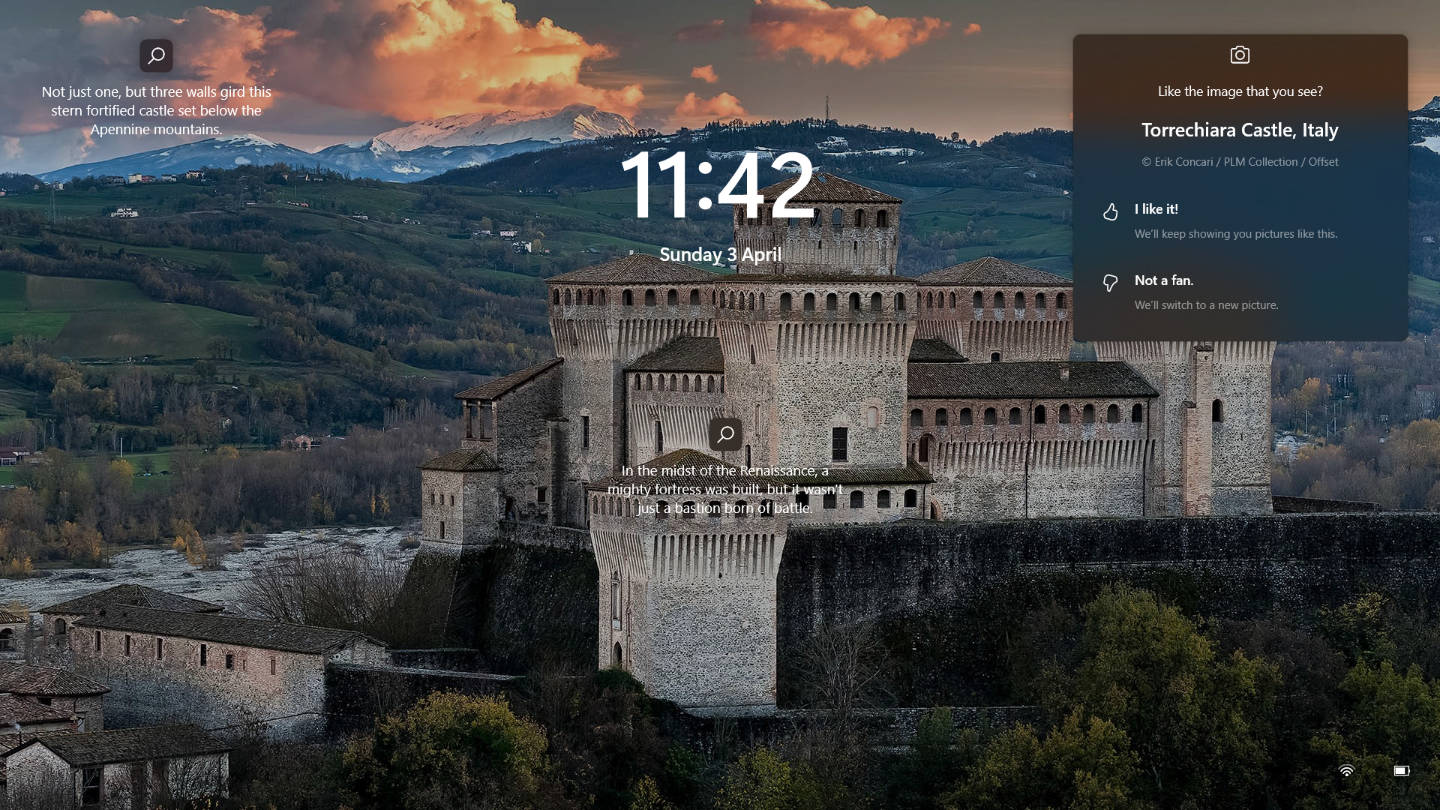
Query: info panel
[(1241, 187)]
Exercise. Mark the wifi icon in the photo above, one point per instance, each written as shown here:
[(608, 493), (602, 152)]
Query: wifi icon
[(1346, 770)]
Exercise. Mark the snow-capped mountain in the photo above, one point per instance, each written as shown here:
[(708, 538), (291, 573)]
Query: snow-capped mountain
[(380, 160), (1425, 126), (574, 123), (212, 153), (415, 152)]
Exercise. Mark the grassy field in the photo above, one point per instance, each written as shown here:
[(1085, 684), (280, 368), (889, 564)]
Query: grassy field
[(99, 319)]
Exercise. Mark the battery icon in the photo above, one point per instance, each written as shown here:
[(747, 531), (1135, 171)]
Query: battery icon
[(1402, 770)]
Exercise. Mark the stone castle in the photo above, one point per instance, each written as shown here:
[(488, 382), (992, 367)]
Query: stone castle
[(862, 397)]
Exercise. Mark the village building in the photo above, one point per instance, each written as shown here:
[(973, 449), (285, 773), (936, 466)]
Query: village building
[(237, 673), (118, 769), (14, 635), (77, 697), (56, 620)]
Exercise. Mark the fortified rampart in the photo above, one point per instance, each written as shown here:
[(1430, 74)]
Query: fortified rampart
[(926, 584)]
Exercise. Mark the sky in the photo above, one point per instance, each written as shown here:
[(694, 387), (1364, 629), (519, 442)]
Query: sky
[(345, 70)]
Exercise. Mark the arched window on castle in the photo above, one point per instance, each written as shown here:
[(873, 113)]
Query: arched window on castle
[(809, 302), (854, 302), (1015, 416), (925, 448), (1087, 414), (929, 300), (672, 298), (589, 297), (912, 497), (1060, 300), (990, 416), (857, 500), (942, 417), (999, 300), (1112, 414), (784, 302), (1137, 413), (899, 301), (882, 218), (694, 298), (1040, 303), (832, 302), (917, 418), (875, 302), (1039, 414), (1020, 303), (1217, 411), (659, 438), (1064, 414), (859, 217), (966, 417), (952, 300), (837, 219), (649, 298), (555, 297), (978, 302), (628, 298)]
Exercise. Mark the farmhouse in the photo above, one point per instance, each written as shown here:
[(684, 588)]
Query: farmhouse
[(120, 769)]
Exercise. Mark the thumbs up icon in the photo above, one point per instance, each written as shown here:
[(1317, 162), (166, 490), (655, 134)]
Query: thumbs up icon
[(1111, 214)]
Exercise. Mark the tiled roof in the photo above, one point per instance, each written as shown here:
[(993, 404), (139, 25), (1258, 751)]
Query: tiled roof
[(681, 467), (23, 679), (132, 595), (684, 353), (462, 461), (992, 272), (933, 350), (224, 629), (500, 386), (1028, 379), (90, 748), (17, 710), (11, 617), (637, 268), (824, 188)]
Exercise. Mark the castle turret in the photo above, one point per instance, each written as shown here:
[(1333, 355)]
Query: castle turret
[(990, 309), (603, 318), (815, 367), (1213, 416), (854, 230)]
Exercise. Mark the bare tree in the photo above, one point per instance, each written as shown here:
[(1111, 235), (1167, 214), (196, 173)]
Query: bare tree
[(336, 588)]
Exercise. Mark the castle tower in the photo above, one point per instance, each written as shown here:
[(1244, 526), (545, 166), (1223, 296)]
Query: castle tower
[(602, 318), (990, 309), (815, 367), (854, 230), (687, 601), (457, 496), (1213, 421)]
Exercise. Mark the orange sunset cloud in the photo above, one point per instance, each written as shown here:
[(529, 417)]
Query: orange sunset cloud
[(695, 111), (854, 36), (415, 59), (705, 73)]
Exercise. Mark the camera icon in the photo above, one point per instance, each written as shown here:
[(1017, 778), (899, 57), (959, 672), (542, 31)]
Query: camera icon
[(1239, 55)]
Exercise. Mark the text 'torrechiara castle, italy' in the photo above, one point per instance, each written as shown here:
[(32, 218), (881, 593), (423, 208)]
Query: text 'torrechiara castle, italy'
[(861, 397)]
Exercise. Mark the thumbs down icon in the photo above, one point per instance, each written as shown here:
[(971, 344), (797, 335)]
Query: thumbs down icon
[(1110, 281)]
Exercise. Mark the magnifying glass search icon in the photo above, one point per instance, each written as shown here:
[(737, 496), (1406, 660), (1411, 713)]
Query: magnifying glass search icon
[(727, 434), (157, 55)]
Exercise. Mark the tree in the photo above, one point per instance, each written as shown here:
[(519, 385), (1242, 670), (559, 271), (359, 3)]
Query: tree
[(451, 752), (1085, 762), (761, 780), (1199, 721)]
